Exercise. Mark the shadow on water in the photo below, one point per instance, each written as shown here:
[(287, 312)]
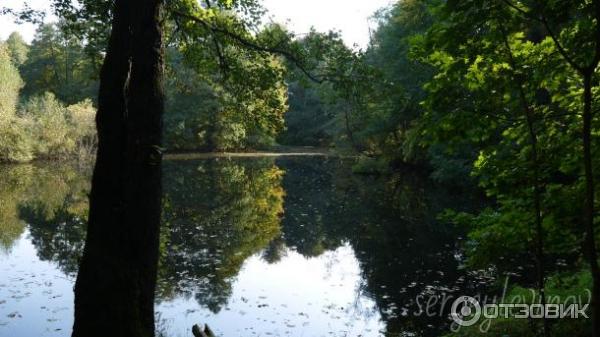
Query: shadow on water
[(220, 213)]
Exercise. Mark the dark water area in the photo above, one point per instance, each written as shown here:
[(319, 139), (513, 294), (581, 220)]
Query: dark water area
[(291, 246)]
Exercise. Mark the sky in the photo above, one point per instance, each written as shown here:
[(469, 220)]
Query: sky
[(351, 17), (7, 25)]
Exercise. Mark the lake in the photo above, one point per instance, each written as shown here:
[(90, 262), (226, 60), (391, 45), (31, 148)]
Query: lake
[(265, 246)]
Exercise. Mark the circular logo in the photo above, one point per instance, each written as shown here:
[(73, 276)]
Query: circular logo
[(465, 311)]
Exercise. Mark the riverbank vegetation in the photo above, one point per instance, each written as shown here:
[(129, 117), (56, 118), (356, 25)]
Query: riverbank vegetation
[(40, 115), (499, 96)]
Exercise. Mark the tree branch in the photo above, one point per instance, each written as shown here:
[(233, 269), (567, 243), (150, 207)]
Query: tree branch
[(222, 60), (543, 20), (251, 44)]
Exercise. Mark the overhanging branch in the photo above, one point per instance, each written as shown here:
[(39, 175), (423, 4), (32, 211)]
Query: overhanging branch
[(247, 43)]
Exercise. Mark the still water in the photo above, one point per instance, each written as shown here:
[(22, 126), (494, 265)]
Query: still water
[(251, 246)]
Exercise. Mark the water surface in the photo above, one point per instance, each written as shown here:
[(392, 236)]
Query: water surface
[(265, 246)]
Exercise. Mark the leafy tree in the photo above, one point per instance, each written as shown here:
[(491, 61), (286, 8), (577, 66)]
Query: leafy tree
[(500, 87), (14, 146), (191, 106), (51, 131), (316, 108), (581, 32), (57, 63), (10, 83), (18, 48)]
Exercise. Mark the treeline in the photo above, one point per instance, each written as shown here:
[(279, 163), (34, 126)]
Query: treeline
[(44, 112), (49, 89)]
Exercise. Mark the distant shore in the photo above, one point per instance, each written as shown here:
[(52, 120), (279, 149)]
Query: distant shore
[(299, 151)]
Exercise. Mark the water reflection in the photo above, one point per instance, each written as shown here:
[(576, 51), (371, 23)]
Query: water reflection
[(52, 199), (294, 246), (217, 213), (404, 253)]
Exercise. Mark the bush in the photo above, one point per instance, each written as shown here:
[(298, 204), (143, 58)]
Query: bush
[(81, 117), (16, 143), (45, 129), (51, 130), (369, 165)]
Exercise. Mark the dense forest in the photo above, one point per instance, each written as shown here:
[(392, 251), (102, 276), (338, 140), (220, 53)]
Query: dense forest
[(496, 97)]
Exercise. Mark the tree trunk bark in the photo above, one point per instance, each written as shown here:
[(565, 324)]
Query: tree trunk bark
[(114, 291)]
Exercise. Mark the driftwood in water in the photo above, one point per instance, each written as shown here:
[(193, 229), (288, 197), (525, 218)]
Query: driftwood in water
[(198, 332)]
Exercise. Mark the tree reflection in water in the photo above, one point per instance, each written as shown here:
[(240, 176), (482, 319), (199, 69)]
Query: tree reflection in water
[(52, 199), (219, 212)]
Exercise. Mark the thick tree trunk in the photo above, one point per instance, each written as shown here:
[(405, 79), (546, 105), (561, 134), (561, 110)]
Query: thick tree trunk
[(114, 291)]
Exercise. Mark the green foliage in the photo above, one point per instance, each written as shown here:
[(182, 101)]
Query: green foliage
[(10, 84), (369, 165), (494, 88), (50, 192), (17, 48), (190, 106), (311, 120), (562, 288), (317, 108), (57, 63), (250, 92), (14, 146), (477, 91), (220, 114), (81, 119), (370, 101), (44, 128), (49, 128)]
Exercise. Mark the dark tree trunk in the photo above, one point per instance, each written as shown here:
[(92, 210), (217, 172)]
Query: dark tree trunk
[(114, 291)]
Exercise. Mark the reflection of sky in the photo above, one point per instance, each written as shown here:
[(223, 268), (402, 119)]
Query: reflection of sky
[(36, 293), (296, 296)]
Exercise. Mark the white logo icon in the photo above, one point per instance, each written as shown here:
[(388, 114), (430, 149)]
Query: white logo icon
[(465, 311)]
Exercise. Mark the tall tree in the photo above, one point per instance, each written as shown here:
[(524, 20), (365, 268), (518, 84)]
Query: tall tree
[(10, 83), (574, 29), (114, 291), (17, 48), (56, 62)]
